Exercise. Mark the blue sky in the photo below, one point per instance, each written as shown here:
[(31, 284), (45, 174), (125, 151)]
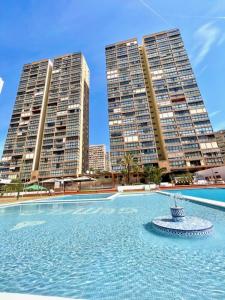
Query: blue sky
[(32, 30)]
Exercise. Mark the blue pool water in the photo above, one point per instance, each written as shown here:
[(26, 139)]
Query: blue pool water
[(84, 197), (207, 193), (106, 250)]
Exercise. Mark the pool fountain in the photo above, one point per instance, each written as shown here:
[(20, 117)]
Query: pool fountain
[(180, 225)]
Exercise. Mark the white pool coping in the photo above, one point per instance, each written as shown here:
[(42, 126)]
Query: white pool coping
[(134, 194), (54, 200), (114, 196), (197, 199), (15, 296)]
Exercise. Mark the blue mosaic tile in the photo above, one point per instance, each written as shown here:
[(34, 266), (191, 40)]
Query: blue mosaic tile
[(190, 226)]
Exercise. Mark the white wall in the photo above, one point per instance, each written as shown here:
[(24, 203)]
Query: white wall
[(213, 172)]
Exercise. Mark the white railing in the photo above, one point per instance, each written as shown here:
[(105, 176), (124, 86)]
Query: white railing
[(144, 187)]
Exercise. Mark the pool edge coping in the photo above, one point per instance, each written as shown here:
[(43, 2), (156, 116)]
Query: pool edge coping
[(214, 203), (56, 201)]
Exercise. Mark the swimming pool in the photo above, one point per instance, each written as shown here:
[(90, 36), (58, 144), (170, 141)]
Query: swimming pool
[(106, 250), (206, 193), (82, 197)]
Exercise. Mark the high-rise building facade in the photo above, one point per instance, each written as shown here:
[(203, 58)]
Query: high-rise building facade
[(130, 122), (25, 130), (49, 125), (156, 111), (108, 162), (97, 158), (65, 142), (220, 138)]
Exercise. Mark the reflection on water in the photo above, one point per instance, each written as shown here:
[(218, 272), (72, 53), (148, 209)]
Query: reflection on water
[(62, 209), (27, 224)]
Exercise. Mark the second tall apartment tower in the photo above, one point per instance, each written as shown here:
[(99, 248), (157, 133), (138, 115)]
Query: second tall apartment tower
[(156, 111), (48, 132)]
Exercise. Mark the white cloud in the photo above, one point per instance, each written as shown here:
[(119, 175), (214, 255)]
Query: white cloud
[(1, 84), (153, 11), (214, 113), (206, 36), (197, 17)]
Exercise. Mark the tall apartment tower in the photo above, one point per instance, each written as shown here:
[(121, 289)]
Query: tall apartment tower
[(130, 121), (48, 132), (97, 157), (156, 111), (65, 142), (25, 130)]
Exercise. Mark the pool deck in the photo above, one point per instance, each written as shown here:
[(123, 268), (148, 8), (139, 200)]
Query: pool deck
[(193, 186), (55, 199), (30, 198), (36, 197)]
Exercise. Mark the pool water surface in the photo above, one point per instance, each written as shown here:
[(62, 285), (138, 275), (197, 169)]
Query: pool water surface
[(99, 196), (107, 250)]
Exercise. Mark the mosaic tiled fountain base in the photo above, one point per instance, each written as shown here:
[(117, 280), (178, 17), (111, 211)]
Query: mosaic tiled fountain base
[(179, 225)]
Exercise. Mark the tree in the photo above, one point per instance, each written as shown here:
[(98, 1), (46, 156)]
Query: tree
[(154, 174), (127, 162), (124, 175), (136, 170), (16, 185)]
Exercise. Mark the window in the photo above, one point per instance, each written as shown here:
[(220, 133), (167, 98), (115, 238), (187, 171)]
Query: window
[(166, 115), (197, 111), (208, 145), (129, 139)]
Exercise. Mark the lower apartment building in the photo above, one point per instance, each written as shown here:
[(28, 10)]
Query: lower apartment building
[(156, 111), (48, 131), (97, 158)]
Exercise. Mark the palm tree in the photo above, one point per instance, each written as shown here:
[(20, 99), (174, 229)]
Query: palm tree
[(136, 170), (154, 174), (124, 175), (127, 162)]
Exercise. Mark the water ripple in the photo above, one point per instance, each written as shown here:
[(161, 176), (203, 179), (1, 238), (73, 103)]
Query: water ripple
[(111, 256)]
